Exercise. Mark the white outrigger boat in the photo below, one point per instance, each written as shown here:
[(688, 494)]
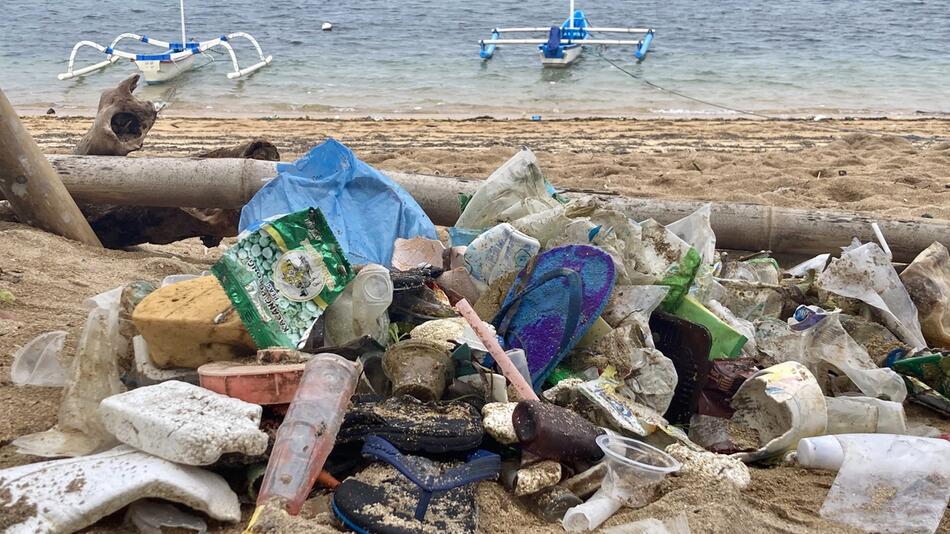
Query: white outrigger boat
[(174, 59), (565, 43)]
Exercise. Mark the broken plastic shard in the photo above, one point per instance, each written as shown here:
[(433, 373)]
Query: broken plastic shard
[(149, 516), (37, 362)]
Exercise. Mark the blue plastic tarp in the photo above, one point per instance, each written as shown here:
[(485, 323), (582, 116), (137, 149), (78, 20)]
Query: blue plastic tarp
[(366, 210)]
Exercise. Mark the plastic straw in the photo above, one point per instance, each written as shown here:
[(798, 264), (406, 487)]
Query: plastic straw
[(504, 362)]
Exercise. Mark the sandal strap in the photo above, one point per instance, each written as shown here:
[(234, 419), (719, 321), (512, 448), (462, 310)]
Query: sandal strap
[(481, 465)]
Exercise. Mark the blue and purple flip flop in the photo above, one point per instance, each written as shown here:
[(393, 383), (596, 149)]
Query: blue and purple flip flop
[(552, 304)]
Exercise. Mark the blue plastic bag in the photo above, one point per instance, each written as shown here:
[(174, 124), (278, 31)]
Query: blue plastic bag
[(364, 208)]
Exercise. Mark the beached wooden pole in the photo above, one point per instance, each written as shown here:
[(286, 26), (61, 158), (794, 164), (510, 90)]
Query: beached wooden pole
[(230, 183), (31, 185)]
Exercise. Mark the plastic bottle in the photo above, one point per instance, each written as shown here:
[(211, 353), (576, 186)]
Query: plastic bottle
[(361, 309), (555, 433), (307, 435)]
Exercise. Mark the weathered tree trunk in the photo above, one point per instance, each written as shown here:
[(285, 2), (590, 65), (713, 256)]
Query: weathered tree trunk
[(121, 124)]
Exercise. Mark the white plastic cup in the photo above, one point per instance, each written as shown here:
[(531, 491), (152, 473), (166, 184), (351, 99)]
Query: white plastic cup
[(634, 469)]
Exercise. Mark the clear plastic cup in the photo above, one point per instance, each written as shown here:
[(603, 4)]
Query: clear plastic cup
[(634, 469)]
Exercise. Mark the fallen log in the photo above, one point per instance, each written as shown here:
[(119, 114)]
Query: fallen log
[(230, 183)]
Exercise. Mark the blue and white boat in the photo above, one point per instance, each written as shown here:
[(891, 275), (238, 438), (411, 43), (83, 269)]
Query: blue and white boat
[(565, 43), (172, 60)]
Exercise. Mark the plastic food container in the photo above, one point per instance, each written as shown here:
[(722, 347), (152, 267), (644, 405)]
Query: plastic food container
[(257, 384), (634, 469)]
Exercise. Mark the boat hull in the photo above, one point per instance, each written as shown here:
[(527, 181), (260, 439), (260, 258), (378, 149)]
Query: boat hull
[(161, 71), (571, 54)]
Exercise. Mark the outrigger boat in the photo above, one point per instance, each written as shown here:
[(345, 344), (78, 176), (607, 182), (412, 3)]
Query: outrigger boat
[(565, 43), (174, 59)]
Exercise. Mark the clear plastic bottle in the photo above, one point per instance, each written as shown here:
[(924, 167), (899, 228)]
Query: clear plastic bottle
[(361, 309), (309, 430)]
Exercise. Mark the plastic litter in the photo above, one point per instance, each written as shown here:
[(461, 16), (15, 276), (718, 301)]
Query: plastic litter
[(591, 514), (514, 190), (361, 309), (37, 362), (927, 280), (93, 376), (677, 524), (634, 469), (148, 516), (826, 343), (282, 275), (417, 252), (71, 494), (865, 273), (184, 423), (781, 405), (144, 372), (885, 483), (856, 415), (499, 251), (308, 432), (419, 368), (353, 196), (696, 230), (816, 264)]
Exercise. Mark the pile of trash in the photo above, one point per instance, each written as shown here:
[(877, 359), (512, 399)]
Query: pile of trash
[(341, 351)]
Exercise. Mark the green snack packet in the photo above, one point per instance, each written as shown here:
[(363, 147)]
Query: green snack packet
[(282, 276)]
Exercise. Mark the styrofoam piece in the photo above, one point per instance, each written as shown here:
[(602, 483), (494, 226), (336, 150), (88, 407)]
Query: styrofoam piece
[(184, 423), (37, 362), (63, 496)]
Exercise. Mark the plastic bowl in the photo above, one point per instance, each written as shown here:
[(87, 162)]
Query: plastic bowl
[(634, 469)]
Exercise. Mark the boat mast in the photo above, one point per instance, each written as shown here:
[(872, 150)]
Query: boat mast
[(183, 38), (570, 16)]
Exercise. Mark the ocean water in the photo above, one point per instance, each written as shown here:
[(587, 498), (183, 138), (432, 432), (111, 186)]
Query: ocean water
[(420, 57)]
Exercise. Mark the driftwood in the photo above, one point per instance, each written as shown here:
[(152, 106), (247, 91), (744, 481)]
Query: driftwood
[(122, 122), (31, 185), (124, 226)]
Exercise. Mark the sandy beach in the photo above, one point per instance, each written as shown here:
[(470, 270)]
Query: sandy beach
[(885, 167)]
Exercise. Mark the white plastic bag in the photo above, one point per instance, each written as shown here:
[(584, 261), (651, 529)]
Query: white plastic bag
[(696, 230), (514, 190), (37, 362), (865, 273), (890, 484)]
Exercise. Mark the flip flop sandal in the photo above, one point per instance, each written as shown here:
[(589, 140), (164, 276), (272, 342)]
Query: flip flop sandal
[(552, 304), (410, 494), (415, 426)]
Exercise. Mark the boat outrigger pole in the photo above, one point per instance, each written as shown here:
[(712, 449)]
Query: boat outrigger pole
[(565, 43), (174, 59)]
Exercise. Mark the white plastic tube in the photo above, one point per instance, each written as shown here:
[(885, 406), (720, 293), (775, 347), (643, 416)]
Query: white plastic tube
[(827, 452), (591, 514)]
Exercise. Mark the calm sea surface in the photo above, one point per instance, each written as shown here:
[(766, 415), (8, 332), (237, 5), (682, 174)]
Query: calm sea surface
[(781, 57)]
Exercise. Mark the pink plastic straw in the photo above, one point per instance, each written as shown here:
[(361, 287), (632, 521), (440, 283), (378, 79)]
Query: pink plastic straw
[(507, 367)]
